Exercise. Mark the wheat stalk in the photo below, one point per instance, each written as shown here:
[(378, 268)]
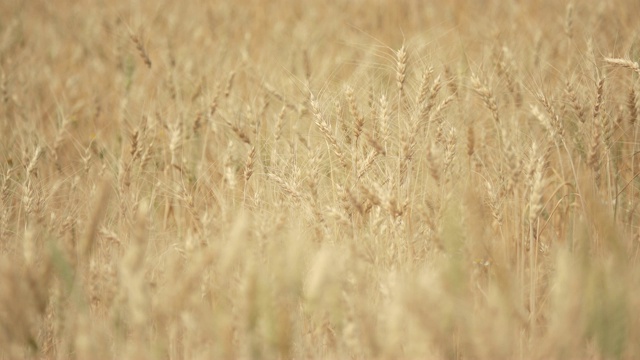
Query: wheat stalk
[(141, 50), (401, 68), (325, 129), (632, 65), (249, 164), (632, 106), (486, 95), (358, 119)]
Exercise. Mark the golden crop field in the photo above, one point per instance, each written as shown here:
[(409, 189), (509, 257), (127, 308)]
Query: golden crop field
[(340, 179)]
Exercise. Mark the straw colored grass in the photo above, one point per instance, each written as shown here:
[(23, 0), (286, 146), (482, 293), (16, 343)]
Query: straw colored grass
[(319, 180)]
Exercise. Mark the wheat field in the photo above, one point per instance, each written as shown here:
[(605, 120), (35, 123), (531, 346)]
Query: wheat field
[(341, 179)]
